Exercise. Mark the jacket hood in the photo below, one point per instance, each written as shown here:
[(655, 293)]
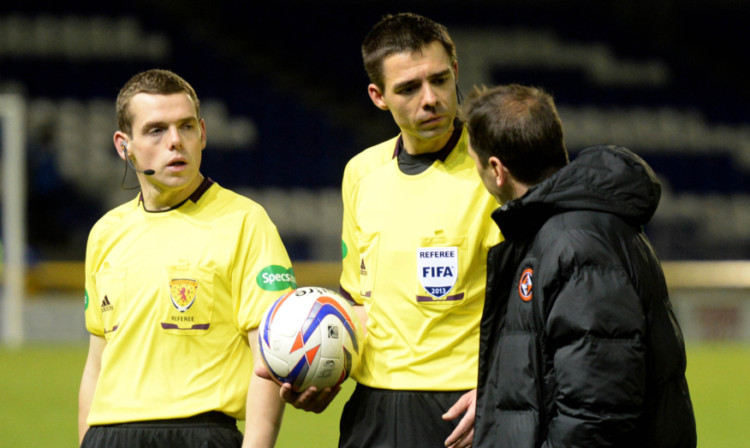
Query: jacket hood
[(604, 178)]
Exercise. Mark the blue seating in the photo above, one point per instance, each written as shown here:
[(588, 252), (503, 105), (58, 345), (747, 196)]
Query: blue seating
[(689, 129)]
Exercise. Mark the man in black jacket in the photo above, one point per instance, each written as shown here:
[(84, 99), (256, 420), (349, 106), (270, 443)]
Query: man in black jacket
[(579, 346)]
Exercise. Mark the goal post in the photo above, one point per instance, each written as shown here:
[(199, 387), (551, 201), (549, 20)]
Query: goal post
[(13, 171)]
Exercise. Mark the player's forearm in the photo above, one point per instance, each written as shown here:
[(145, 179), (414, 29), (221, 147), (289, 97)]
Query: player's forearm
[(85, 395), (264, 408), (362, 315), (88, 383), (264, 414)]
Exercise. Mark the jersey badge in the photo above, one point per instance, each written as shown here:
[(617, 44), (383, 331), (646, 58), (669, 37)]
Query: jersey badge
[(183, 292), (437, 269), (525, 285)]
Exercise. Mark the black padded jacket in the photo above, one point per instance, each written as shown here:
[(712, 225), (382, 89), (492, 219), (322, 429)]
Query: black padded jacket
[(579, 346)]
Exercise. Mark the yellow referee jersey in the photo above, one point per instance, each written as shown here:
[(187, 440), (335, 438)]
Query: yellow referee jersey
[(415, 250), (174, 294)]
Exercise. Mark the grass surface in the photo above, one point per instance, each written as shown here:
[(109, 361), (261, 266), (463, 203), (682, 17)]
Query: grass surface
[(719, 380), (39, 393)]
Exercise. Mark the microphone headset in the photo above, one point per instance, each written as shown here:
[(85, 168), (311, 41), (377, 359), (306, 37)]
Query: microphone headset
[(144, 172)]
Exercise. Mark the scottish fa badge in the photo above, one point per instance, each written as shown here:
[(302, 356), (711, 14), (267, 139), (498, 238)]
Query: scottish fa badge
[(437, 269), (183, 291)]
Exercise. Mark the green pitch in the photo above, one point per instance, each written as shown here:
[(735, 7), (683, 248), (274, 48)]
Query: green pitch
[(39, 393)]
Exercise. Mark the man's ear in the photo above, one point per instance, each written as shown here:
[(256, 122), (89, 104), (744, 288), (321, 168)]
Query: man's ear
[(202, 124), (502, 175), (121, 142), (376, 95)]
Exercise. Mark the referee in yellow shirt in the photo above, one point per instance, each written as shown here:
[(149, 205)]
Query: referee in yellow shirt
[(416, 232), (176, 282)]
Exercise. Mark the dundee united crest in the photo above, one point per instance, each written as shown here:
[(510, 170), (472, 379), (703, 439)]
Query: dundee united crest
[(183, 291), (525, 285)]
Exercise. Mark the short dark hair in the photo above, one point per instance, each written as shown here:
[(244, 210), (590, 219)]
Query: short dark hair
[(520, 126), (404, 32), (155, 81)]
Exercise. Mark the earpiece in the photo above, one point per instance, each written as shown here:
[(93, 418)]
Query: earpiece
[(124, 147)]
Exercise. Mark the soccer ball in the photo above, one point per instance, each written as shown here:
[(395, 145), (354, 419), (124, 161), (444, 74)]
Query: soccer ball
[(310, 337)]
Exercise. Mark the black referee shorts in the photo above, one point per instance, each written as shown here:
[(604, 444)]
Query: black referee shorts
[(381, 418), (208, 430)]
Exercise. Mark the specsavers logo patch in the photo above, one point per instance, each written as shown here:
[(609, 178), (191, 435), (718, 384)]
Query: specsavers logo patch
[(437, 269), (276, 278), (183, 292)]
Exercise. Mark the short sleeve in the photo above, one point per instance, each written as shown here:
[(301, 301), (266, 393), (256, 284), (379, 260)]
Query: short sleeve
[(92, 312), (349, 247), (262, 271)]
